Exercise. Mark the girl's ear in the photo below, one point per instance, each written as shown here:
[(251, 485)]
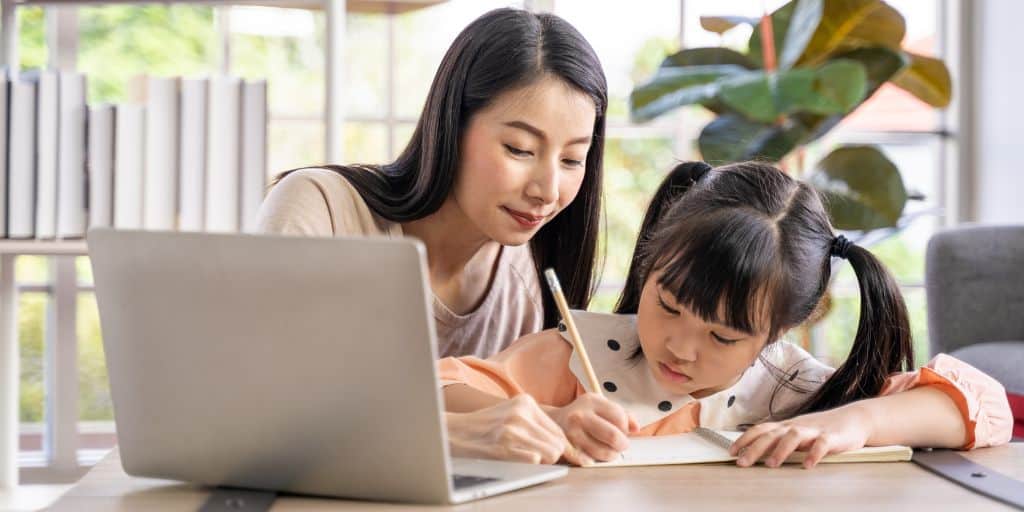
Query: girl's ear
[(678, 181)]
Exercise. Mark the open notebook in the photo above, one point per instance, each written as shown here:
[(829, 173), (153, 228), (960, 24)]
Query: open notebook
[(706, 445)]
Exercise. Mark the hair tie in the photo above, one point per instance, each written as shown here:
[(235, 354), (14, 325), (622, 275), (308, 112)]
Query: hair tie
[(840, 247), (700, 169)]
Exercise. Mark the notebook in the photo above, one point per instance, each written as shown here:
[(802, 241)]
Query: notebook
[(706, 445)]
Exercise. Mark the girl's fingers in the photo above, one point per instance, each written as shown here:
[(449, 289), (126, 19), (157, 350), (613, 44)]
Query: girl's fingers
[(605, 433), (756, 449), (752, 434), (786, 445), (592, 447), (818, 451)]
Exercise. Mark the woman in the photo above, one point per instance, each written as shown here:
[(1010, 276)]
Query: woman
[(502, 176)]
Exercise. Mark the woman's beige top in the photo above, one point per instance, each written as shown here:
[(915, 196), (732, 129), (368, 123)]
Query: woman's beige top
[(321, 202)]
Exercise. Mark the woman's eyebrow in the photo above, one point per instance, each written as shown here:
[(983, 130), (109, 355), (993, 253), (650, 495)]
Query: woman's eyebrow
[(537, 132)]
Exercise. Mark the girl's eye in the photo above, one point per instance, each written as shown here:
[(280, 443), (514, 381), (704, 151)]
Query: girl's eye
[(667, 309), (516, 151), (573, 163), (723, 341)]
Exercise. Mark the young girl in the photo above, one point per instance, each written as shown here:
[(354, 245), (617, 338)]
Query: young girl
[(729, 259)]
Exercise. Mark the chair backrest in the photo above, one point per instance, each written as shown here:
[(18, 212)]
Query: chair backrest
[(975, 286)]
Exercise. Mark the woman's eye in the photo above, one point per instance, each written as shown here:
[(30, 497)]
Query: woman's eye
[(516, 151), (722, 340), (573, 163)]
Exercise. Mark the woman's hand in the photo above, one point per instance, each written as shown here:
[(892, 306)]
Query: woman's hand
[(596, 427), (820, 434), (516, 429)]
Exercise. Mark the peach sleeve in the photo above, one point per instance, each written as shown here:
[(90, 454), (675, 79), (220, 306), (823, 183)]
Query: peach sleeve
[(536, 364), (981, 399)]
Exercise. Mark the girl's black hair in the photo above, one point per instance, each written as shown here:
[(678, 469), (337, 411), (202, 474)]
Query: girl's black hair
[(744, 244), (502, 50)]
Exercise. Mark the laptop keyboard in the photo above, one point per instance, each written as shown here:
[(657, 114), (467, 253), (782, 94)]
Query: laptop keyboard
[(463, 481)]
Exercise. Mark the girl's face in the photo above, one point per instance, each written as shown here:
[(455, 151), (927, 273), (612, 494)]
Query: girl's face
[(687, 354), (523, 159)]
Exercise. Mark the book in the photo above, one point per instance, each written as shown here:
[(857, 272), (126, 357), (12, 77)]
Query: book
[(101, 166), (191, 195), (71, 213), (707, 445), (254, 152), (223, 164), (129, 160), (21, 171), (160, 203), (5, 87), (47, 135)]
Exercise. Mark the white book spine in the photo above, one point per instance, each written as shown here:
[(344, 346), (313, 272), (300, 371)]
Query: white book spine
[(129, 155), (71, 213), (254, 151), (161, 175), (21, 189), (222, 172), (192, 197), (48, 126), (101, 166), (5, 87)]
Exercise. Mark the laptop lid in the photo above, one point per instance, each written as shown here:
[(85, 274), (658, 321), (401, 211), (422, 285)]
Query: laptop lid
[(285, 363)]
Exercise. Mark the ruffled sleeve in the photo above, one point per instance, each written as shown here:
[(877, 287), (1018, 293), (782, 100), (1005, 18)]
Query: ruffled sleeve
[(536, 364), (981, 399)]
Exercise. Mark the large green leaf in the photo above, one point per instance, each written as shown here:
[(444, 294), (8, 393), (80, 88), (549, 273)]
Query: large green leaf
[(722, 24), (835, 88), (802, 25), (673, 87), (734, 138), (881, 64), (780, 26), (926, 78), (707, 57), (751, 95), (862, 188), (849, 24)]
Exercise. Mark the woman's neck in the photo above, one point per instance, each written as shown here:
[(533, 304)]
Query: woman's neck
[(461, 260)]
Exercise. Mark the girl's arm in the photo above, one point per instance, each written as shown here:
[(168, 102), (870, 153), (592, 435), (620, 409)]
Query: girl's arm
[(948, 403)]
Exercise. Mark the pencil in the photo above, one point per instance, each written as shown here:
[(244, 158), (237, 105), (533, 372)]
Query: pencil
[(574, 335)]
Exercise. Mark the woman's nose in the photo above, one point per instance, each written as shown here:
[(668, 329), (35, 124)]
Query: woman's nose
[(543, 186)]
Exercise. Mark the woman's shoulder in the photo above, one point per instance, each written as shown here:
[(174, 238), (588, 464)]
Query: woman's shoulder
[(317, 201)]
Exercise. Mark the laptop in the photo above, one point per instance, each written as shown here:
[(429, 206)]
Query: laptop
[(298, 365)]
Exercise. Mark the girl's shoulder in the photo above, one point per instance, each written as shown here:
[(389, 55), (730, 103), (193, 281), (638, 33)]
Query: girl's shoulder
[(782, 378)]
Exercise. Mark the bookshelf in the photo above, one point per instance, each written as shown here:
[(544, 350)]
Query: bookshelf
[(63, 456)]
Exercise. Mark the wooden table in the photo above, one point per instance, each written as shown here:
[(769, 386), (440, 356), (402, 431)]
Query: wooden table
[(831, 488)]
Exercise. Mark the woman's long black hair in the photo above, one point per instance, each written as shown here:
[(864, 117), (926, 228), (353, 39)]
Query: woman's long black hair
[(750, 237), (500, 51)]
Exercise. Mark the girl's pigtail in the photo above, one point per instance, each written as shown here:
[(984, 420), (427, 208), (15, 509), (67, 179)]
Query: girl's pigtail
[(676, 183), (882, 345)]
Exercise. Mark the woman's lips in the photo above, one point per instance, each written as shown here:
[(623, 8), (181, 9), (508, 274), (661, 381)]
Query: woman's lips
[(524, 219), (673, 375)]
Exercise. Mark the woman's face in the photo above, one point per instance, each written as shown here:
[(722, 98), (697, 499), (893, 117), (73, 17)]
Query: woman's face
[(523, 159), (686, 354)]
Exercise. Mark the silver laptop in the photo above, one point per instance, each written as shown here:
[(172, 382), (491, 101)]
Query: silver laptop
[(291, 364)]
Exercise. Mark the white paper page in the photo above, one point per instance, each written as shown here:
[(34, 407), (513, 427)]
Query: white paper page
[(689, 448)]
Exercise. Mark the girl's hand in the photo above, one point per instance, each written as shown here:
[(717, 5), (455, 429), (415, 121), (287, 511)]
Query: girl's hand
[(517, 429), (596, 427), (820, 434)]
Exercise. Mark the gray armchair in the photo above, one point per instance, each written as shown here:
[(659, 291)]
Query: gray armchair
[(975, 288)]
